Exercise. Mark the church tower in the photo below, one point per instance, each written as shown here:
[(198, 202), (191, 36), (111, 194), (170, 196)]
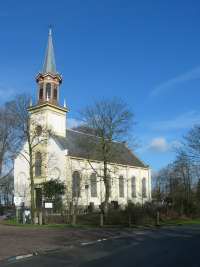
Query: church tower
[(47, 110)]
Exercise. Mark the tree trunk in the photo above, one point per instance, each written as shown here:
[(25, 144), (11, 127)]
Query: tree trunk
[(32, 185), (32, 201), (40, 217), (107, 188), (101, 220), (157, 218), (35, 218), (1, 164), (17, 214), (129, 220), (74, 219)]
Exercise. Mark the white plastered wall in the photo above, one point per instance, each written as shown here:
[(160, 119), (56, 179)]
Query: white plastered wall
[(61, 166), (21, 176), (85, 169), (51, 118)]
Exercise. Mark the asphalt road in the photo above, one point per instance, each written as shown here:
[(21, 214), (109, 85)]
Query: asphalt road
[(177, 246)]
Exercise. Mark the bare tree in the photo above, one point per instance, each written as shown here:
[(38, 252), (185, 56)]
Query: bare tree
[(174, 183), (28, 132), (108, 122), (7, 140), (191, 144), (6, 189)]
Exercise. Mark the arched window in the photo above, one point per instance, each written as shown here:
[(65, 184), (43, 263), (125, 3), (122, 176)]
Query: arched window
[(121, 186), (38, 130), (41, 92), (133, 187), (144, 188), (55, 93), (93, 185), (76, 184), (48, 91), (38, 164)]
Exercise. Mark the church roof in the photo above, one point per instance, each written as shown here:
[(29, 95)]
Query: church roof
[(49, 62), (82, 145)]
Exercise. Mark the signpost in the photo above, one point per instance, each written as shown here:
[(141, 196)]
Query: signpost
[(48, 205), (18, 201)]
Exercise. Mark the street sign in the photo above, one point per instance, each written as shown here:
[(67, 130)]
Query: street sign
[(48, 205), (18, 201)]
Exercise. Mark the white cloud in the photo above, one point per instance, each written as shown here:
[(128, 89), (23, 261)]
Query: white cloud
[(193, 74), (183, 121), (71, 123), (159, 144)]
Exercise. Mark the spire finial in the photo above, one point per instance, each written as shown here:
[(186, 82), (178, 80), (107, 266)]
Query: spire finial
[(65, 103), (49, 62), (30, 102)]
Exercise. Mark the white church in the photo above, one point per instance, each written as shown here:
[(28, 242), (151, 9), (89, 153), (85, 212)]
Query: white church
[(62, 157)]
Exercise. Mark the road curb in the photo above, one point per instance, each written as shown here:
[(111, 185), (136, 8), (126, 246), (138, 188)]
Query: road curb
[(21, 257), (36, 253), (69, 246)]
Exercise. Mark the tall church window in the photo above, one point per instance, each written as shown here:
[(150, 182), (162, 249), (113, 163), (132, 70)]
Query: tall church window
[(76, 184), (144, 188), (121, 186), (55, 93), (41, 92), (38, 164), (48, 91), (93, 185), (133, 187)]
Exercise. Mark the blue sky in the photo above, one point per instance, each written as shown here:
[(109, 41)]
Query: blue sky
[(145, 52)]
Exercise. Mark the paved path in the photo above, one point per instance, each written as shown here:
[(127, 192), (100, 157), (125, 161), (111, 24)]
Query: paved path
[(17, 240), (176, 246)]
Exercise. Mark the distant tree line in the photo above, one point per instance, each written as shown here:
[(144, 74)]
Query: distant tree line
[(177, 186)]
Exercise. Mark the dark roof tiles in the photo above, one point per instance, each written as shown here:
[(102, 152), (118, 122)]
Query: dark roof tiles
[(83, 145)]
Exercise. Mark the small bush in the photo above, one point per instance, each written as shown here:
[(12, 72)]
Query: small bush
[(141, 214)]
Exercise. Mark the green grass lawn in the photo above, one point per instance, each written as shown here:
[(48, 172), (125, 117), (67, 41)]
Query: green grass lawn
[(168, 222), (13, 222), (181, 222)]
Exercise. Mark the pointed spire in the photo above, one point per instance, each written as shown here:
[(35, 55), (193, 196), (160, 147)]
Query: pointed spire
[(64, 103), (30, 103), (49, 62)]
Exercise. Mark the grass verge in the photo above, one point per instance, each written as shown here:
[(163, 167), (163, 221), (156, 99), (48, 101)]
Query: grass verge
[(181, 222), (13, 222)]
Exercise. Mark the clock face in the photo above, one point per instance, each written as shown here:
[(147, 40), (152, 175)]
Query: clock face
[(55, 173)]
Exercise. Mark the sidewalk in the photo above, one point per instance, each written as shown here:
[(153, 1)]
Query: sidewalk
[(18, 240)]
